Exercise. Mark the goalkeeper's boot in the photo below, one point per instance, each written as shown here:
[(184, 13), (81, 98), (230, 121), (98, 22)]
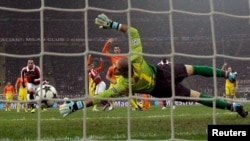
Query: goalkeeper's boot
[(236, 107)]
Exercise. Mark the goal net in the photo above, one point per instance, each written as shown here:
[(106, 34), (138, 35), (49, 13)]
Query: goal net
[(60, 34)]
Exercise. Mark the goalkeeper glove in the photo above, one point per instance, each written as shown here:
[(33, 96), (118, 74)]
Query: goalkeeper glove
[(104, 22), (70, 107)]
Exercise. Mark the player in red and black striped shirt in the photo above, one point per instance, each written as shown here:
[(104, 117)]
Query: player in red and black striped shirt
[(33, 74)]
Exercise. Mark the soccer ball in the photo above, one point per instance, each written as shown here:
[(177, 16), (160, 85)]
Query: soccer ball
[(47, 93)]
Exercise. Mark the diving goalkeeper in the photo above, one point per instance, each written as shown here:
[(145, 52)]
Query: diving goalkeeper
[(151, 79)]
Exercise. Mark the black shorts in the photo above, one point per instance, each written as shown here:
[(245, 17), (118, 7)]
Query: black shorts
[(163, 87)]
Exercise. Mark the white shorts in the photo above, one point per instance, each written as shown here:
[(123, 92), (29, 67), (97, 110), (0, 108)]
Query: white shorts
[(31, 87), (100, 87)]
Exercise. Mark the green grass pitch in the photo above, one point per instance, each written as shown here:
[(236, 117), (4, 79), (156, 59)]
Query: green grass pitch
[(190, 123)]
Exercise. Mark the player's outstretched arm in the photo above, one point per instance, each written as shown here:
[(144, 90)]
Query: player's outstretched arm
[(69, 107), (104, 23)]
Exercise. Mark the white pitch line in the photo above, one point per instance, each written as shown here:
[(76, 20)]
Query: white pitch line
[(110, 117)]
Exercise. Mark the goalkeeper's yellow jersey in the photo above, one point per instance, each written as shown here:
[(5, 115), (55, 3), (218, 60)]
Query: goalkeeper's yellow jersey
[(143, 79)]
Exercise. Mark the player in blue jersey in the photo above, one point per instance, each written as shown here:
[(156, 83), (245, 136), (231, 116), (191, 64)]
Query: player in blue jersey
[(155, 80)]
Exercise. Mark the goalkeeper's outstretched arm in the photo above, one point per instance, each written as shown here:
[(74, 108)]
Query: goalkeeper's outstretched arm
[(69, 107), (104, 23)]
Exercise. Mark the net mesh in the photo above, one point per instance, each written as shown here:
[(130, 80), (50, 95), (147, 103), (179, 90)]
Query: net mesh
[(60, 34)]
